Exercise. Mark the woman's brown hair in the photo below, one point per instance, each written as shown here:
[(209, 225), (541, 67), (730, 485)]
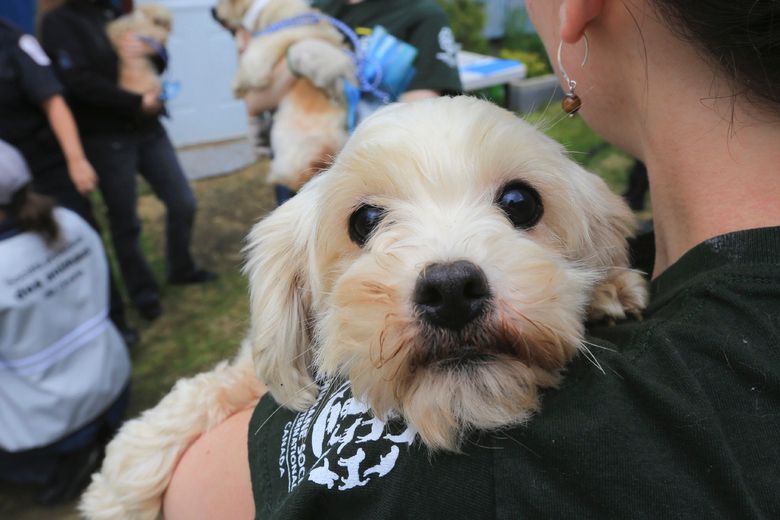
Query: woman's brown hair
[(34, 213), (742, 37)]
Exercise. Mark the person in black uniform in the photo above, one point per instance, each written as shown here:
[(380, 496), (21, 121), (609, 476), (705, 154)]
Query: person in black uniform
[(123, 136), (35, 119)]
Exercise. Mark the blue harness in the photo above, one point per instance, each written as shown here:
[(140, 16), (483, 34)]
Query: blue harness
[(383, 64)]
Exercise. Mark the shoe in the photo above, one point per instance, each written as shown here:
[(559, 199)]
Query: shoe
[(193, 277), (72, 476), (150, 311)]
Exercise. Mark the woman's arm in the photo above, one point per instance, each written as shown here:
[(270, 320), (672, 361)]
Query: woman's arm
[(212, 479), (61, 121), (418, 94), (258, 101)]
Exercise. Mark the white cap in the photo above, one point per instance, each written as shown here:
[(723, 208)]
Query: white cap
[(14, 172)]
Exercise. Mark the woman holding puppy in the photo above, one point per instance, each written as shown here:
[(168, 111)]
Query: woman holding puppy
[(684, 420), (122, 137)]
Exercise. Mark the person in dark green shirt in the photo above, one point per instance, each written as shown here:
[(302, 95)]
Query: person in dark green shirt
[(683, 418)]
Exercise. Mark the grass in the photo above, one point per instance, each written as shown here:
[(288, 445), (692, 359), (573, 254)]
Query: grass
[(584, 146), (202, 325)]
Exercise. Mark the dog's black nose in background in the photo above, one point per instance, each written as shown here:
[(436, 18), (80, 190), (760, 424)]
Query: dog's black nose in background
[(451, 295)]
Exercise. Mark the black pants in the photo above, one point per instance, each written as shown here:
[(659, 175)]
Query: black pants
[(117, 158), (55, 182)]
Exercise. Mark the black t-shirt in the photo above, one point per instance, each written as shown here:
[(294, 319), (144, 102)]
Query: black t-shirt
[(421, 23), (27, 80), (680, 420)]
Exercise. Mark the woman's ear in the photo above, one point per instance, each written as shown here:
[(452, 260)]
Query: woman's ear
[(576, 15), (278, 252)]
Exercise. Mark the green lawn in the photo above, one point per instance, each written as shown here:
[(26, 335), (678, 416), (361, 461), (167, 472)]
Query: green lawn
[(205, 324), (585, 146), (201, 324)]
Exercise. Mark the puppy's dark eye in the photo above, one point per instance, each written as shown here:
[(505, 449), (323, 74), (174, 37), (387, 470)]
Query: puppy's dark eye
[(363, 221), (521, 203)]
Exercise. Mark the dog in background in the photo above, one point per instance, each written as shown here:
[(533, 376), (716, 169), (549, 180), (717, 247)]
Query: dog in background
[(444, 266), (149, 21), (309, 126)]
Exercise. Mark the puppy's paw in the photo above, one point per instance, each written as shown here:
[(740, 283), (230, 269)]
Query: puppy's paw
[(624, 292), (258, 81), (247, 79), (256, 67)]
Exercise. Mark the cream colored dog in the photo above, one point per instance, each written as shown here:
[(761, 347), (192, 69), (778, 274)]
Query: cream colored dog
[(444, 266), (309, 126), (151, 21)]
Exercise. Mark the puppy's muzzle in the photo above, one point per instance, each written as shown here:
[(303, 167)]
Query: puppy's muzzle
[(451, 295)]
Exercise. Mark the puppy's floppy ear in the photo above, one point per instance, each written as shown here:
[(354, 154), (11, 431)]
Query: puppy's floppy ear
[(603, 245), (278, 252), (608, 221)]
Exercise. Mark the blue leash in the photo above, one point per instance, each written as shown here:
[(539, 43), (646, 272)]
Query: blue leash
[(366, 84)]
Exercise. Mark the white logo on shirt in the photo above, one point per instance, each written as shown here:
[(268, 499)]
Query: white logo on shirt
[(338, 431), (449, 48), (33, 49)]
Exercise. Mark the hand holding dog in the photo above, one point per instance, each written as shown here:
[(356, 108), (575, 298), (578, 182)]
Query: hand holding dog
[(151, 104), (322, 63)]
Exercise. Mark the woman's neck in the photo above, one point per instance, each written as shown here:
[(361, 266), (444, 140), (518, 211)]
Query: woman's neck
[(711, 173), (712, 158)]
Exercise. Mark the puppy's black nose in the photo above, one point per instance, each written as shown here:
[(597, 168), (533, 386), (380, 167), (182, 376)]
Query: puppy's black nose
[(451, 295)]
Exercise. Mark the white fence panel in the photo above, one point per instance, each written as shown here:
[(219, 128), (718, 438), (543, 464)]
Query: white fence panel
[(203, 60)]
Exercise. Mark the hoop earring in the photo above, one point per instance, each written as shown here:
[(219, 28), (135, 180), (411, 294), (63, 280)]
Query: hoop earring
[(571, 102)]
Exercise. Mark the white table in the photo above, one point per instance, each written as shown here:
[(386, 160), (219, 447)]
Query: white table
[(479, 71)]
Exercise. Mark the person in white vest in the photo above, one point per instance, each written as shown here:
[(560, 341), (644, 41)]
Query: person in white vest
[(64, 368)]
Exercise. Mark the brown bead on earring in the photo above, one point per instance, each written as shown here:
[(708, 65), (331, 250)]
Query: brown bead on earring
[(571, 102)]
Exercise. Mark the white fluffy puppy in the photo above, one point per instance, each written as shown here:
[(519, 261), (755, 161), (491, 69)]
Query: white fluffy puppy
[(151, 21), (444, 266), (309, 125)]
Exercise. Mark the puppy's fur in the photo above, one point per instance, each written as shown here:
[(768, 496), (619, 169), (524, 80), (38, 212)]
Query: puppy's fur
[(152, 21), (322, 302), (308, 127)]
